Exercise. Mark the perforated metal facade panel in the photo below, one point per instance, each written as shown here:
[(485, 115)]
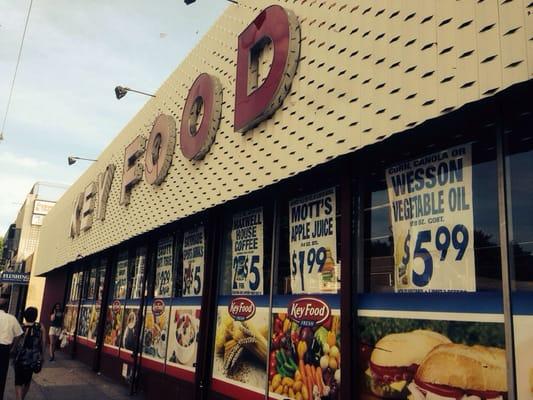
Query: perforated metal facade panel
[(368, 69)]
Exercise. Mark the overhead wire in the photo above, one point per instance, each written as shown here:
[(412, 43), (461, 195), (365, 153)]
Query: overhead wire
[(16, 71)]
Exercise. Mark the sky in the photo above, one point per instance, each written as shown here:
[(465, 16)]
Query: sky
[(75, 53)]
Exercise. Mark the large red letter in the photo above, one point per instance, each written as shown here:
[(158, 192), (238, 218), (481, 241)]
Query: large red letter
[(201, 117), (279, 27), (133, 171), (160, 149)]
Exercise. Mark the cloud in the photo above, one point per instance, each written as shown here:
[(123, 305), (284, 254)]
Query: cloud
[(8, 159)]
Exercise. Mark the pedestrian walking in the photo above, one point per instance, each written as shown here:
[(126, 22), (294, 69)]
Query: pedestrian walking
[(29, 352), (9, 330), (56, 322)]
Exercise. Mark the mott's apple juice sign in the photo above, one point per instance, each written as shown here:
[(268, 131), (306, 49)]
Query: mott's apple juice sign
[(158, 307), (308, 311), (313, 243), (276, 27), (241, 309)]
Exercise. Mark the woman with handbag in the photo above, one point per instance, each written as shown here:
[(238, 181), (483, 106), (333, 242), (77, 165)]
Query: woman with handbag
[(29, 354), (56, 322)]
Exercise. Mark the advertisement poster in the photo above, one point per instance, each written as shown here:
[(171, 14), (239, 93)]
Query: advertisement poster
[(305, 351), (247, 252), (121, 280), (523, 341), (163, 275), (433, 354), (130, 328), (155, 341), (313, 243), (94, 315), (193, 261), (241, 346), (69, 320), (183, 337), (83, 321), (113, 324), (432, 221)]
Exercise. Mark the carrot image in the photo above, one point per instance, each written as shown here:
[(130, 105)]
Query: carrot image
[(319, 380)]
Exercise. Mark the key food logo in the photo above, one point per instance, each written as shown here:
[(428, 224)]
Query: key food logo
[(308, 311), (241, 308)]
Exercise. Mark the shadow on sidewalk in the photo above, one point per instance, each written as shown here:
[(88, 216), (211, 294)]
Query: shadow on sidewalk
[(67, 379)]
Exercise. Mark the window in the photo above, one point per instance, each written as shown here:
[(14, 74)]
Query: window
[(91, 289), (309, 243), (431, 230), (246, 252), (519, 140), (139, 269), (121, 276), (193, 261), (164, 268), (101, 279)]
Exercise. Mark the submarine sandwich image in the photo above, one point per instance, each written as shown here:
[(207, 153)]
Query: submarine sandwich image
[(395, 359), (457, 371)]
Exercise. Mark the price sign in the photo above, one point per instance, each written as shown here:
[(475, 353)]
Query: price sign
[(432, 222), (313, 243), (163, 274), (247, 252), (121, 281), (193, 261)]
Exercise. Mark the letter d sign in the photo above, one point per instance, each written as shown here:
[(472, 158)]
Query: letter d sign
[(278, 27)]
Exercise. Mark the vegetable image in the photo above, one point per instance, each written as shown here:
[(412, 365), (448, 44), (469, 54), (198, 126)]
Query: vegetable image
[(304, 361)]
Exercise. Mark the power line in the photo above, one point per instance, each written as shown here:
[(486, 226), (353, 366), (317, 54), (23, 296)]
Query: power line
[(16, 70)]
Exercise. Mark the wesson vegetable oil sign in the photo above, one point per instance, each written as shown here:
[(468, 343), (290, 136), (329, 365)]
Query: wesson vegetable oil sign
[(431, 210)]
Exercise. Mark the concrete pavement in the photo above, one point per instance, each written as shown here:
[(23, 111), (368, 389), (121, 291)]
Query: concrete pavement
[(67, 379)]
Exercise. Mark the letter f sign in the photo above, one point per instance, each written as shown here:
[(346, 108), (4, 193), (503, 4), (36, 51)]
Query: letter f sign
[(255, 101)]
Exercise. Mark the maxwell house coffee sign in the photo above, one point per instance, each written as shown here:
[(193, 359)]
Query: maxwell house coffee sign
[(256, 99), (241, 308), (308, 311)]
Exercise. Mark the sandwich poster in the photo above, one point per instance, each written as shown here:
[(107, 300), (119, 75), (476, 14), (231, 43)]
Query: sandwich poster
[(431, 211), (247, 252), (241, 347), (313, 243), (193, 261), (423, 359), (523, 342)]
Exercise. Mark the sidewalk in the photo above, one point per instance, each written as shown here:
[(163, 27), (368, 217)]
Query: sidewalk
[(67, 379)]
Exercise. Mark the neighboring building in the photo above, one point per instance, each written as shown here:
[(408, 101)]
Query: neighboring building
[(20, 243), (315, 176)]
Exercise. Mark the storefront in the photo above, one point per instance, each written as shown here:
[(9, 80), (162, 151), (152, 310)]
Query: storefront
[(324, 200)]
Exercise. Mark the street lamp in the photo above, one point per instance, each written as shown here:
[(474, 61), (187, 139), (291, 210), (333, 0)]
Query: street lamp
[(120, 92), (72, 159)]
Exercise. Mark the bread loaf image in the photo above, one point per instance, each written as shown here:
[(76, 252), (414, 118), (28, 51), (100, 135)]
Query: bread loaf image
[(459, 371), (395, 359)]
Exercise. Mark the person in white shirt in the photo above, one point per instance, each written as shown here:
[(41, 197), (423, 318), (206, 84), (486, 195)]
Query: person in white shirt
[(9, 330)]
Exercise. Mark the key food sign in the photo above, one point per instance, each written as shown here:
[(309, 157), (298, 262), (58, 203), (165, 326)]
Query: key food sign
[(255, 101)]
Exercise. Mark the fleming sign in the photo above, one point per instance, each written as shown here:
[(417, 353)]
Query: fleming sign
[(256, 99)]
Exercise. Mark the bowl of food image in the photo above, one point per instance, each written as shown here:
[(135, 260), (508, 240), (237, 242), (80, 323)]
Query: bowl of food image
[(185, 338), (395, 360), (456, 371)]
